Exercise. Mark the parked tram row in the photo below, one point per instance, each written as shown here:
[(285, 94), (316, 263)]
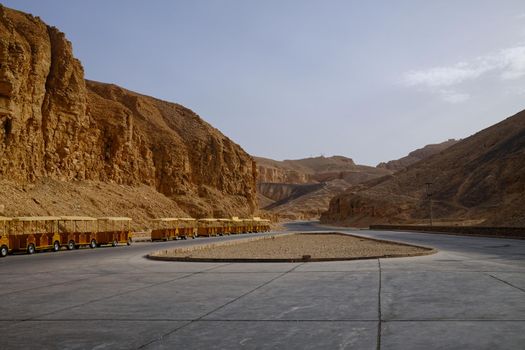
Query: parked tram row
[(32, 234), (165, 229)]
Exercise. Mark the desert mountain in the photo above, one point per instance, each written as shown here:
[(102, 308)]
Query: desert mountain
[(417, 155), (70, 146), (302, 188), (480, 179)]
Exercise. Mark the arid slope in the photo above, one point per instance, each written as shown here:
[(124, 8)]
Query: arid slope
[(481, 179), (417, 155)]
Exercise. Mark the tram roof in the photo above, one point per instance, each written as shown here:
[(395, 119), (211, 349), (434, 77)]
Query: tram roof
[(165, 219), (78, 218), (174, 219), (115, 218), (36, 218)]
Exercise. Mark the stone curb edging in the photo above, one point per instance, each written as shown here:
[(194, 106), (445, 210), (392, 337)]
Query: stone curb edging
[(162, 255)]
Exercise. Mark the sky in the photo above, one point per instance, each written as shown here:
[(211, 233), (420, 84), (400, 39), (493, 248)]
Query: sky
[(371, 80)]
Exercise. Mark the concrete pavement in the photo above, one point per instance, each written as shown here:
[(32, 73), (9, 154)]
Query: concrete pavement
[(470, 295)]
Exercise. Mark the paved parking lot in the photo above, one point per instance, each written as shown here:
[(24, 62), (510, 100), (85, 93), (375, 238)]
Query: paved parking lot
[(470, 295)]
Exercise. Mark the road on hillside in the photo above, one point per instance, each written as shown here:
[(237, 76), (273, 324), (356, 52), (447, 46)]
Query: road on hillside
[(471, 294)]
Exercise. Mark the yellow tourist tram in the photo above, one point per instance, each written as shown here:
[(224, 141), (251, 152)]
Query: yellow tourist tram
[(187, 227), (208, 227), (266, 225), (32, 233), (114, 231), (236, 225), (260, 225), (77, 231), (225, 227), (165, 229), (248, 225)]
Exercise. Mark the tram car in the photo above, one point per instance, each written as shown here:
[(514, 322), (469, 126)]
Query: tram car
[(165, 229), (114, 231)]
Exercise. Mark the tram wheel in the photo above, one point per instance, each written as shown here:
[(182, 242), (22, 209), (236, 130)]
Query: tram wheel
[(56, 246), (3, 251), (71, 245), (115, 243), (93, 244), (31, 249)]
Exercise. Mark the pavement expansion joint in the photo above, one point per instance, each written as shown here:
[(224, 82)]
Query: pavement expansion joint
[(286, 320), (379, 323), (49, 285), (507, 283)]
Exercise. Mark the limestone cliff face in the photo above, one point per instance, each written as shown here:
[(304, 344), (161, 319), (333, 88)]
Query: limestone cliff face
[(54, 124), (165, 145), (278, 175)]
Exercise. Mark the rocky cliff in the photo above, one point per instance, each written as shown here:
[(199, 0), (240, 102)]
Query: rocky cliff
[(479, 180), (56, 126), (273, 171)]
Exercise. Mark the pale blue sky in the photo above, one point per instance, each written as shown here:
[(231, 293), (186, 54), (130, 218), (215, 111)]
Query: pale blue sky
[(371, 80)]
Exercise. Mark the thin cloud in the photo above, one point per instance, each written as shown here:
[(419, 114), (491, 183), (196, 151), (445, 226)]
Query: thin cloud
[(513, 62), (444, 76), (454, 97), (507, 64)]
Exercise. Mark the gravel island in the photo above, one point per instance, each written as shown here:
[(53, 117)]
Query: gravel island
[(295, 247)]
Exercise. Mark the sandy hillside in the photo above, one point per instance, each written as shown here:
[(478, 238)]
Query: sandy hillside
[(479, 179)]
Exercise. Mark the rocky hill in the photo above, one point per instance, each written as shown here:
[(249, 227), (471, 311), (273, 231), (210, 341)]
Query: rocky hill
[(417, 155), (274, 171), (302, 188), (480, 179), (56, 128)]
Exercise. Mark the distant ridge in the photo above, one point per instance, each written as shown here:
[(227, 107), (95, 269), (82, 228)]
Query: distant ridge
[(417, 155), (302, 188)]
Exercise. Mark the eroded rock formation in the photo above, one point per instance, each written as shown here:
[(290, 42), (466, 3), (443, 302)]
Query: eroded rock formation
[(55, 125)]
